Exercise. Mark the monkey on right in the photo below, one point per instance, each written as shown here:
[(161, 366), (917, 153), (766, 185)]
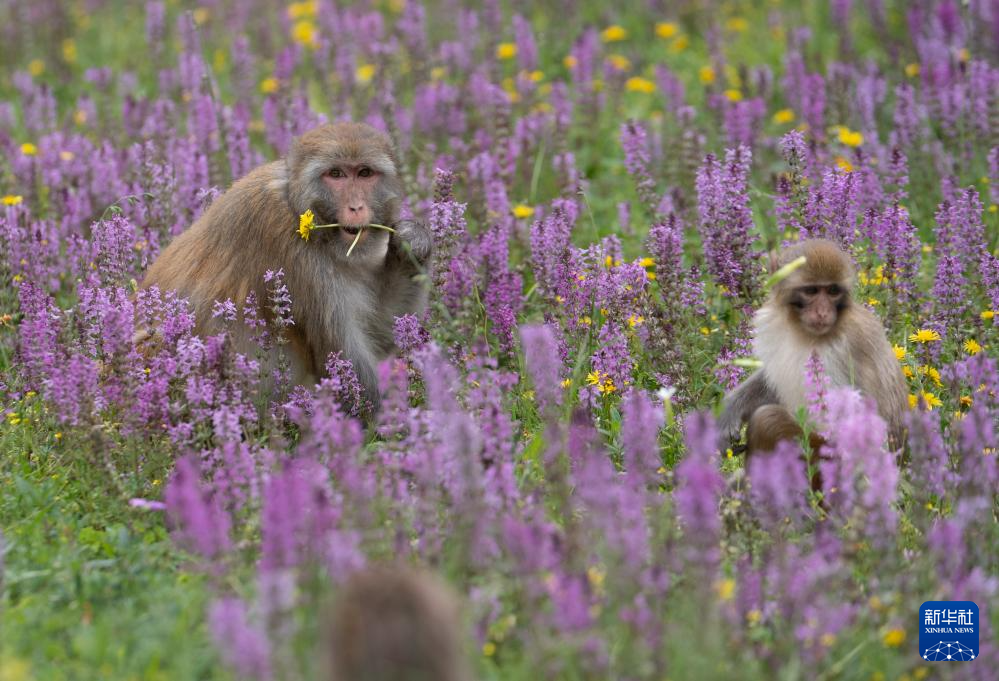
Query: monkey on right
[(813, 311)]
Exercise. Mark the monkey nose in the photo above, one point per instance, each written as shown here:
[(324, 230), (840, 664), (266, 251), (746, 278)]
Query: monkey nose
[(356, 208)]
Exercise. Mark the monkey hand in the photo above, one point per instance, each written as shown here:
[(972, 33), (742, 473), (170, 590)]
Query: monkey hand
[(415, 237)]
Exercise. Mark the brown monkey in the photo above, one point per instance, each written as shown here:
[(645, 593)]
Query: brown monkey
[(813, 311), (396, 624), (345, 173)]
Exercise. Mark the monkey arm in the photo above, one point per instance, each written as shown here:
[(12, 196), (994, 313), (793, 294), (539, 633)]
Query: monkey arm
[(740, 404)]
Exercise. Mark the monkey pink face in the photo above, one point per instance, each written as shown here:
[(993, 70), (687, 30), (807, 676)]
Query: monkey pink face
[(353, 190), (818, 306)]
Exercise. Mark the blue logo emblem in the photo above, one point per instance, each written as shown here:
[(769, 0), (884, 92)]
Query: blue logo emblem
[(948, 631)]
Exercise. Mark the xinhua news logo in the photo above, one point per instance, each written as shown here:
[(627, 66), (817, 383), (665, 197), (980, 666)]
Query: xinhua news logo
[(948, 631)]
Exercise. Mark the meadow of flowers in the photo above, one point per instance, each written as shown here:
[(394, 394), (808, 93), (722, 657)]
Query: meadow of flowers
[(604, 182)]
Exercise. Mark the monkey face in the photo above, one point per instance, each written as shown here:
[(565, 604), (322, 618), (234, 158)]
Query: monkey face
[(818, 306)]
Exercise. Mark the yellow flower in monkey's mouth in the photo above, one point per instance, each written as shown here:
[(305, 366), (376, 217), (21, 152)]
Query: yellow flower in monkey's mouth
[(306, 223)]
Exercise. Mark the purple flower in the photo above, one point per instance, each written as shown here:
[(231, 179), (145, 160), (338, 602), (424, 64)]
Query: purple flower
[(244, 647), (199, 523), (543, 364)]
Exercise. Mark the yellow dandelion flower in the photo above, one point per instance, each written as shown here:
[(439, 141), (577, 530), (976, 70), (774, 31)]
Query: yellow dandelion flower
[(566, 383), (964, 54), (827, 639), (29, 149), (754, 616), (365, 73), (536, 76), (522, 211), (614, 34), (635, 320), (302, 10), (972, 347), (912, 70), (931, 373), (784, 116), (488, 649), (596, 577), (988, 314), (306, 223), (646, 262), (994, 208), (907, 372), (893, 638), (924, 336), (570, 62), (899, 352), (966, 401), (36, 67), (80, 117), (651, 276), (737, 25), (12, 199), (593, 378), (843, 164), (930, 400), (69, 50), (269, 85), (586, 321), (725, 588), (637, 84), (437, 73), (849, 137), (706, 74), (506, 50), (680, 44), (619, 62), (666, 29), (705, 331), (733, 95), (304, 33), (67, 156), (607, 387), (200, 15)]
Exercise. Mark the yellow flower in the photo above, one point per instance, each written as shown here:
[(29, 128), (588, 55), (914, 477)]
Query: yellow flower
[(69, 50), (666, 29), (566, 383), (607, 387), (304, 33), (488, 648), (706, 74), (912, 70), (893, 638), (899, 352), (269, 85), (972, 347), (12, 200), (613, 34), (733, 95), (36, 67), (79, 116), (844, 164), (737, 25), (593, 378), (67, 156), (849, 137), (536, 76), (924, 336), (619, 62), (646, 262), (596, 577), (784, 116), (570, 62), (365, 73), (963, 54), (931, 400), (306, 223), (635, 320), (988, 314), (29, 149), (725, 588), (931, 373), (522, 211), (679, 45), (966, 401), (302, 10), (827, 639), (754, 616), (200, 15), (637, 84), (506, 50)]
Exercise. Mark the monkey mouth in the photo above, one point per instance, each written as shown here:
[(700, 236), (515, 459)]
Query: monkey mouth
[(352, 229)]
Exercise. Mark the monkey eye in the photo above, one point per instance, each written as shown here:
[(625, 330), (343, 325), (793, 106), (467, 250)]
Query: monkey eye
[(810, 290), (834, 290), (336, 172), (364, 172)]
